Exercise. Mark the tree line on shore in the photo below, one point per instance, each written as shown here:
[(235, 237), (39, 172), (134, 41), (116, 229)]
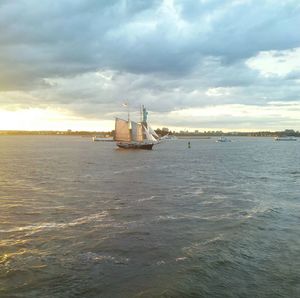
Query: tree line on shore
[(160, 132)]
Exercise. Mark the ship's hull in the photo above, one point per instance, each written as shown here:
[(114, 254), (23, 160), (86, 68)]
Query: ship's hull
[(223, 140), (285, 139), (135, 146)]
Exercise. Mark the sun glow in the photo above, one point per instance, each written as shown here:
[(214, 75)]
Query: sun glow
[(48, 119), (234, 117)]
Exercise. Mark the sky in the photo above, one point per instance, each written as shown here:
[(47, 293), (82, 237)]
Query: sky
[(196, 65)]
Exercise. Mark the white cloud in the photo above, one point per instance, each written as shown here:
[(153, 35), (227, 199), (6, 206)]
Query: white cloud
[(233, 117), (276, 63), (218, 91)]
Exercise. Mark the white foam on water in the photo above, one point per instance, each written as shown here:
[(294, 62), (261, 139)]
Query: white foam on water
[(53, 225), (198, 191), (194, 247), (168, 217), (161, 262), (214, 200), (128, 170), (146, 199), (218, 238), (215, 217), (91, 257), (256, 211), (51, 207), (94, 257)]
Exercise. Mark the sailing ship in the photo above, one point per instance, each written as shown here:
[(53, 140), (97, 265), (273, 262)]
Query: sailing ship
[(284, 138), (223, 140), (134, 135)]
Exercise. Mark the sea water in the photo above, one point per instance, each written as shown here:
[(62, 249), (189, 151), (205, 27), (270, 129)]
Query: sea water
[(84, 219)]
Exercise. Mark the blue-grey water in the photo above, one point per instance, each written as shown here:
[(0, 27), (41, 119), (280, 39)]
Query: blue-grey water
[(82, 219)]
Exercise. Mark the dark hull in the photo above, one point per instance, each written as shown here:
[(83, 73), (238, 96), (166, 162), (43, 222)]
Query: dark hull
[(135, 146)]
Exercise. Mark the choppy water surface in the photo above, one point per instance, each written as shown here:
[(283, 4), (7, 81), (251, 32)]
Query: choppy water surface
[(82, 219)]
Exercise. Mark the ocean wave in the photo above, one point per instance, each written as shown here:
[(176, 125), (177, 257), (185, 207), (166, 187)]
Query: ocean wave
[(168, 217), (231, 215), (132, 169), (214, 217), (259, 212), (52, 207), (12, 205), (12, 242), (196, 246), (12, 259), (198, 191), (53, 225), (218, 198), (146, 199), (195, 191), (91, 257)]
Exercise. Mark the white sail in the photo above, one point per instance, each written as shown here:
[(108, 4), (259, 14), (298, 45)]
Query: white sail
[(139, 135), (136, 132), (149, 136), (122, 132), (133, 130), (152, 131), (134, 135)]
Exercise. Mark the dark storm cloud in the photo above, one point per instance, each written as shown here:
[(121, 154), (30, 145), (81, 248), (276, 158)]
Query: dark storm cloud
[(69, 34), (167, 54), (68, 37)]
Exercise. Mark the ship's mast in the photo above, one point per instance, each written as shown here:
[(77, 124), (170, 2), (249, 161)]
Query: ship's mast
[(126, 104), (141, 113), (145, 113)]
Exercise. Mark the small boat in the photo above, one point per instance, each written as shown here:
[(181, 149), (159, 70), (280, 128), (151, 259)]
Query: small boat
[(168, 137), (134, 135), (97, 139), (285, 138), (223, 140), (101, 139)]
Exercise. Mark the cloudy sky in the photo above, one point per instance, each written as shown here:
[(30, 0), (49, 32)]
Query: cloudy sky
[(206, 65)]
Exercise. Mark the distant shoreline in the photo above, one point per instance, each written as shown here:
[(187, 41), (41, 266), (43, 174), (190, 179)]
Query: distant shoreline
[(109, 134)]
